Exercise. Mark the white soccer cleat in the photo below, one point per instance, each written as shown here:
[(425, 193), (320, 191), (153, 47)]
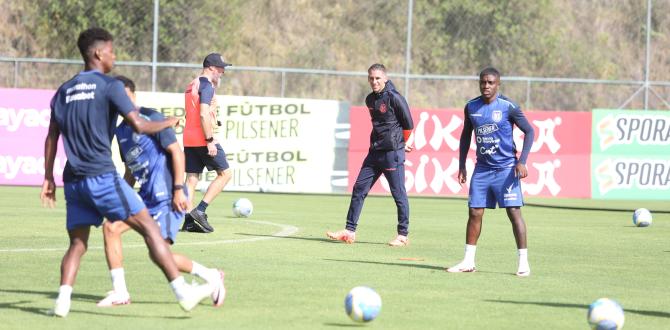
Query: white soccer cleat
[(462, 267), (193, 295), (219, 293), (523, 270), (62, 307), (114, 299)]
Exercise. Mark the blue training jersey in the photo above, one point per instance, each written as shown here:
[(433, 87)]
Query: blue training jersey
[(493, 125), (86, 109), (146, 157)]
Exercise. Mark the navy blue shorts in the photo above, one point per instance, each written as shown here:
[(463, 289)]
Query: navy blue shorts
[(91, 199), (491, 186), (168, 220), (197, 159)]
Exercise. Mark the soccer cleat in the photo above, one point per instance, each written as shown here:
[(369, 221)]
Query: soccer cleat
[(200, 219), (462, 267), (343, 235), (219, 293), (114, 299), (400, 240), (523, 271), (188, 222), (193, 295), (62, 307)]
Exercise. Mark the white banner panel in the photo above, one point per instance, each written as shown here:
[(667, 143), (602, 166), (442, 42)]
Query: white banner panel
[(274, 144)]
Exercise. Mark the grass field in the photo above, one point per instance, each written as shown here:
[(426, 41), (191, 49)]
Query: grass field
[(282, 273)]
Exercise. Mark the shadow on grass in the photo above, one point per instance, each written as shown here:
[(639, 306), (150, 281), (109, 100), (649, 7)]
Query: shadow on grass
[(317, 239), (443, 268), (566, 305), (350, 325)]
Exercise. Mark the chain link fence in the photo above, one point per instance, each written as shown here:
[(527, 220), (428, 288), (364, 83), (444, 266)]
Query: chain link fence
[(553, 54)]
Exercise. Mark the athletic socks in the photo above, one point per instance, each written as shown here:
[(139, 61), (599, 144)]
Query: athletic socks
[(202, 207), (470, 251), (179, 287), (118, 280), (64, 293), (207, 274)]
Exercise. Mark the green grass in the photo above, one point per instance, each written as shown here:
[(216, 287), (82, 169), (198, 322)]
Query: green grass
[(300, 281)]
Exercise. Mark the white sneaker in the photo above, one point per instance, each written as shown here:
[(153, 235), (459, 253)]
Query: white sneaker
[(523, 270), (62, 307), (462, 267), (193, 295), (114, 299), (219, 293)]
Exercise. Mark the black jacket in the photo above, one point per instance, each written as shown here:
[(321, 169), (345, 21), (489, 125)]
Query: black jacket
[(390, 116)]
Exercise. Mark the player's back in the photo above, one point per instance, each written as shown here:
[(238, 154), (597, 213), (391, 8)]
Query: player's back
[(146, 157), (86, 109)]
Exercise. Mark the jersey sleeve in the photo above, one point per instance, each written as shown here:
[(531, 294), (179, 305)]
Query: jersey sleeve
[(466, 138), (206, 91), (520, 120), (118, 97), (402, 113), (166, 136)]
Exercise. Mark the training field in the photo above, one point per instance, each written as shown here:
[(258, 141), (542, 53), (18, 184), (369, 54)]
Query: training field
[(281, 272)]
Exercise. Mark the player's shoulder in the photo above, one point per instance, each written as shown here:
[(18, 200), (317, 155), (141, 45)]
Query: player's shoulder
[(204, 83), (473, 102), (152, 114), (507, 101)]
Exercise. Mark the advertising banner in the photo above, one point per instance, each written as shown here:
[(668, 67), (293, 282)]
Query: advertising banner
[(631, 154), (275, 144), (24, 122), (558, 164)]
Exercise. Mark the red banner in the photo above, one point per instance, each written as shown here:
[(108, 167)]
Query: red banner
[(558, 165)]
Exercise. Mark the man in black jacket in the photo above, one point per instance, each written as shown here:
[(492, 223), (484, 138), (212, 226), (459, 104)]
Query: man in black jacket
[(391, 127)]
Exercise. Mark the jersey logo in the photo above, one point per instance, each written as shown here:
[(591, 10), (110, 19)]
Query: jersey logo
[(487, 129), (382, 108), (497, 115)]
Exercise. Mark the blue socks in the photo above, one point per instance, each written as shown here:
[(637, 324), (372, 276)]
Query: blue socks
[(202, 206)]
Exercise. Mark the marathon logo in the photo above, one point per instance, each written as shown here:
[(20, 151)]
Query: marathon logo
[(487, 129)]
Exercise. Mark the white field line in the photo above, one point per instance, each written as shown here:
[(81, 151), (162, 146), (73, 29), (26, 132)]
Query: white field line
[(286, 230)]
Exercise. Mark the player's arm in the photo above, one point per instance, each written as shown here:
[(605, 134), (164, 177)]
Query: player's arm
[(404, 117), (464, 146), (122, 103), (48, 193), (129, 177), (179, 200), (520, 120), (207, 105)]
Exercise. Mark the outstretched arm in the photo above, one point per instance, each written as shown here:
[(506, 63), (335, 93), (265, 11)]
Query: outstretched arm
[(143, 126), (48, 193)]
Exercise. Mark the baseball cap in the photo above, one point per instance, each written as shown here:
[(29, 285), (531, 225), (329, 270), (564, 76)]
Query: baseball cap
[(215, 59)]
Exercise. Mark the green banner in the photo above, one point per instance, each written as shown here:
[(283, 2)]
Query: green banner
[(630, 154)]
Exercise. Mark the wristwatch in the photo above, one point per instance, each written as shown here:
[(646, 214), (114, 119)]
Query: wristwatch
[(209, 140)]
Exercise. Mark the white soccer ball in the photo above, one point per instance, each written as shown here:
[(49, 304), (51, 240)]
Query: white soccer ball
[(642, 217), (362, 304), (605, 314), (242, 208)]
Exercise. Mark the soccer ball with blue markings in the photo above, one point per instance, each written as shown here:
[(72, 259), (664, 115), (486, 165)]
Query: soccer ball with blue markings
[(242, 208), (642, 217), (605, 314), (362, 304)]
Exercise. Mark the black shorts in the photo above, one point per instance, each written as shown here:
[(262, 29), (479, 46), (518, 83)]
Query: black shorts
[(197, 159)]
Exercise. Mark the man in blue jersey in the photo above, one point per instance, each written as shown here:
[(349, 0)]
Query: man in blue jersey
[(391, 127), (498, 172), (156, 162), (85, 109)]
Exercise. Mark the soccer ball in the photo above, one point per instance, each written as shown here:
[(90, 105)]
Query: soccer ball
[(642, 217), (362, 304), (605, 314), (242, 208)]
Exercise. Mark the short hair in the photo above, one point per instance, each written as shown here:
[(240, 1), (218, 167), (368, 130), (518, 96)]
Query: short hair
[(89, 38), (377, 66), (490, 71), (126, 82)]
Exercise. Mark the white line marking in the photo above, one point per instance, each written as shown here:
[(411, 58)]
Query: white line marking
[(286, 230)]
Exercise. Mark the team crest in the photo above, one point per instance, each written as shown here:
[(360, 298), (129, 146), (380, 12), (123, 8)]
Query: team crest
[(382, 108), (497, 115)]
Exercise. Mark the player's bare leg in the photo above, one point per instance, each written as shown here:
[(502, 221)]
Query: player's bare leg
[(69, 267), (114, 254), (519, 229), (472, 233), (220, 182)]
